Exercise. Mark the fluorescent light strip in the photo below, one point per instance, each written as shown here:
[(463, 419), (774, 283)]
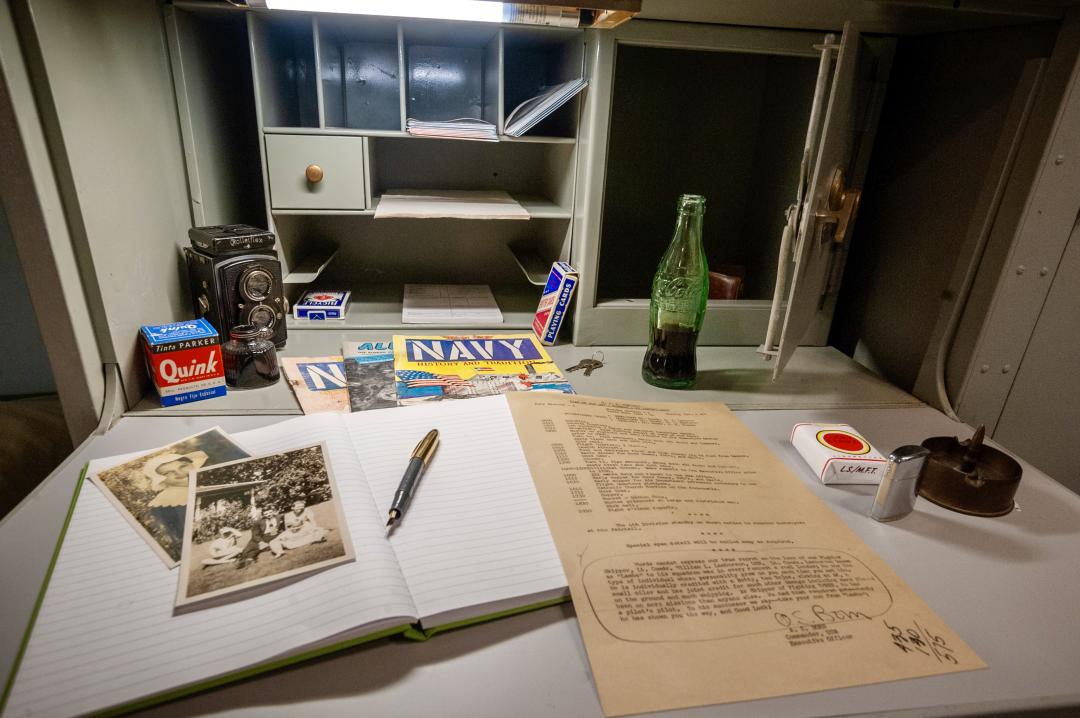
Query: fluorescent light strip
[(475, 10)]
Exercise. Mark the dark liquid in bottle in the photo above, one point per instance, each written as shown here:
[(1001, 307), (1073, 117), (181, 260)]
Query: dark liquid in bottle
[(251, 370), (671, 360)]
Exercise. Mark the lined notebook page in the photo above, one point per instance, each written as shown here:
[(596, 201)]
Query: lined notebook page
[(475, 533), (106, 634)]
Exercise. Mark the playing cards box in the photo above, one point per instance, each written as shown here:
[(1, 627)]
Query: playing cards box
[(322, 305), (554, 302)]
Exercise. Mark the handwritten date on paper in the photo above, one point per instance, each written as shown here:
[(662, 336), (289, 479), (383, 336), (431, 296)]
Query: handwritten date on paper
[(917, 639), (702, 595)]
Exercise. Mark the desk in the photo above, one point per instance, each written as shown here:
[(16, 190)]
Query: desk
[(1008, 586)]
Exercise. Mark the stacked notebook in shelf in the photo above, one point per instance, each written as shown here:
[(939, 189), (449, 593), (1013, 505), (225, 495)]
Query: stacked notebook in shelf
[(464, 128), (530, 112)]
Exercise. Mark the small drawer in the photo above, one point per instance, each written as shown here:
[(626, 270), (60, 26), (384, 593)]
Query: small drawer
[(313, 172)]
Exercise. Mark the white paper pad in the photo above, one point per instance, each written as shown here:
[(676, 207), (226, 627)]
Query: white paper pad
[(460, 204), (465, 128), (450, 304)]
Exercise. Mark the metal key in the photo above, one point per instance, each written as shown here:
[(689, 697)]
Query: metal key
[(589, 365)]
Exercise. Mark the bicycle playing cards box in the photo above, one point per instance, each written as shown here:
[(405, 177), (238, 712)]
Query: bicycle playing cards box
[(322, 305), (554, 302)]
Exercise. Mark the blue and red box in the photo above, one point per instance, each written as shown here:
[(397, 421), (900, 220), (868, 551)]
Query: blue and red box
[(554, 302), (184, 361), (322, 305)]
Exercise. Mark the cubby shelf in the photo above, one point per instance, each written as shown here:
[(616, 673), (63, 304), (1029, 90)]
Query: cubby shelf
[(345, 132), (334, 94), (537, 207), (379, 307)]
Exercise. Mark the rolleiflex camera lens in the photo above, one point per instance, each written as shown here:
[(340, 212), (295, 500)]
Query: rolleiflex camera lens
[(262, 316), (256, 284)]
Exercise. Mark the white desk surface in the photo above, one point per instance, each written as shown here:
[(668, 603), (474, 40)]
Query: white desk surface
[(1009, 586), (816, 377)]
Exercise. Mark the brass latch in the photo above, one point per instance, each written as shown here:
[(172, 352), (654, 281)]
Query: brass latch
[(840, 206)]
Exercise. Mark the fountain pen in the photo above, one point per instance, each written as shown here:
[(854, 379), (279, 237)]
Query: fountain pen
[(418, 462)]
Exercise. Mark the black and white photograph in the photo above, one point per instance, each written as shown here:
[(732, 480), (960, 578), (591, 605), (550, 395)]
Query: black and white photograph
[(151, 490), (370, 383), (261, 520)]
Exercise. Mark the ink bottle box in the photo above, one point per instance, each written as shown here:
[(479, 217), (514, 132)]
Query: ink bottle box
[(837, 454), (184, 361)]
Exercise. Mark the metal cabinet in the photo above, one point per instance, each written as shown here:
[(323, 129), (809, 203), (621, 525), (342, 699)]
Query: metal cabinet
[(134, 159)]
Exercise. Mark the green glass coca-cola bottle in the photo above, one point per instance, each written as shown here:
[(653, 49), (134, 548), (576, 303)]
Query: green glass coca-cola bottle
[(680, 291)]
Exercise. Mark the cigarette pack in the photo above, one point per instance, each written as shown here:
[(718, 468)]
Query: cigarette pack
[(322, 305), (837, 454), (554, 302), (184, 361)]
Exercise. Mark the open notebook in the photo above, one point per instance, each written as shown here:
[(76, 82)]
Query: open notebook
[(474, 545)]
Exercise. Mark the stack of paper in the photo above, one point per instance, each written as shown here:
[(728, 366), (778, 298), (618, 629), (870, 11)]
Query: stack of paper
[(458, 204), (464, 128), (526, 115), (450, 304)]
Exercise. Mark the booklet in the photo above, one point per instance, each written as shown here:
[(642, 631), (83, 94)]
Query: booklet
[(106, 630), (431, 368), (317, 382), (549, 98), (369, 373)]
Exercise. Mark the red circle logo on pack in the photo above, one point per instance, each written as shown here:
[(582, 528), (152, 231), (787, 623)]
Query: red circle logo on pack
[(843, 441), (837, 453)]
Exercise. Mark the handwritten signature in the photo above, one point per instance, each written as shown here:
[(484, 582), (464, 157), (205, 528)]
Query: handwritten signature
[(817, 616)]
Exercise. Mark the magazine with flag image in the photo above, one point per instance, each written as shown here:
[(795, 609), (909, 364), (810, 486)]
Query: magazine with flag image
[(431, 368)]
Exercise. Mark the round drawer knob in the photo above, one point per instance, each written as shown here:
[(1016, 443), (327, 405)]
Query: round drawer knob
[(314, 173)]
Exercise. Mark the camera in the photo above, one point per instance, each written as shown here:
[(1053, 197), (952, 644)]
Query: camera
[(235, 278)]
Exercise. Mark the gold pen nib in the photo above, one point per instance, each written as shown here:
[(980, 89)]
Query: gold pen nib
[(394, 515)]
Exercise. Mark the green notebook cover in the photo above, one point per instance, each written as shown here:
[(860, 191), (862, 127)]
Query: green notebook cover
[(414, 632)]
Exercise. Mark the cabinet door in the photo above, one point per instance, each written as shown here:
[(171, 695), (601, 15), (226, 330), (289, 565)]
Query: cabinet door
[(824, 208)]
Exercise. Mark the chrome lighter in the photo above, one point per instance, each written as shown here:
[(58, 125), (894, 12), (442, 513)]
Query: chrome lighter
[(896, 493)]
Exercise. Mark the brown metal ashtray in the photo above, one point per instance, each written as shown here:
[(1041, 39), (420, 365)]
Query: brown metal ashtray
[(968, 477)]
